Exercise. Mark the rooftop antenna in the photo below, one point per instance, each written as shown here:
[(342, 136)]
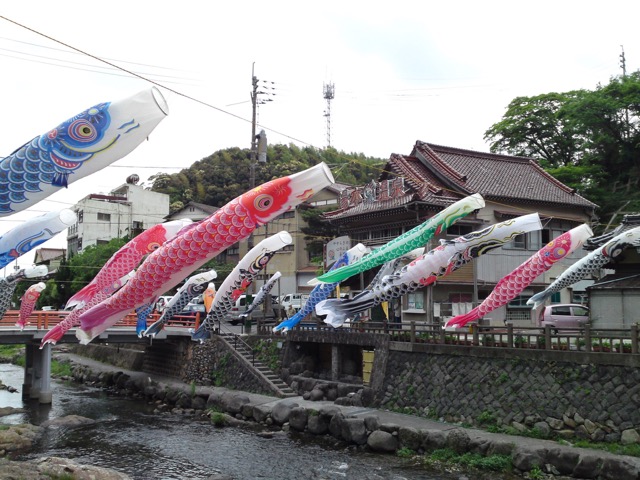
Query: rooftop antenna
[(328, 90)]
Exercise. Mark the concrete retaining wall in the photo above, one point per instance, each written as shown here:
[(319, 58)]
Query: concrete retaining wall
[(591, 401)]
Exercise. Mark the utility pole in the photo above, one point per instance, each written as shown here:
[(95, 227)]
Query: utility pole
[(254, 103), (328, 91), (258, 142), (258, 151), (623, 64)]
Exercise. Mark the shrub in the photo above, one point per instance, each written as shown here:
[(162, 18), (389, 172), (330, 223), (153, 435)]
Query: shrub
[(486, 418), (218, 419), (405, 452)]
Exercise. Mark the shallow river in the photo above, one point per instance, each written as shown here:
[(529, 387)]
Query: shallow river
[(129, 438)]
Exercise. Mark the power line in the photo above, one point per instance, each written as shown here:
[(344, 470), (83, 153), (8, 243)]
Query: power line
[(153, 82), (201, 102), (76, 53), (72, 65)]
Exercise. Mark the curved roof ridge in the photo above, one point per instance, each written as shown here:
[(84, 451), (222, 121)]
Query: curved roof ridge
[(474, 153), (426, 150)]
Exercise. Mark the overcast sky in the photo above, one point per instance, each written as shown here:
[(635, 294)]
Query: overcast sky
[(403, 71)]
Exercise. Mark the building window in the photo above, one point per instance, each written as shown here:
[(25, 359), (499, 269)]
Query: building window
[(458, 230), (527, 241), (321, 203), (519, 243), (287, 214), (80, 215), (460, 297), (520, 302), (415, 300), (549, 234), (138, 225), (287, 248), (104, 217), (360, 237), (233, 251)]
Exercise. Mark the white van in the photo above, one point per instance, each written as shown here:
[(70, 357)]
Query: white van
[(295, 300)]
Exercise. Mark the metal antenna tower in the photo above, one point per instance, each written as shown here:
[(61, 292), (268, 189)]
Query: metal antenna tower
[(328, 90), (623, 62)]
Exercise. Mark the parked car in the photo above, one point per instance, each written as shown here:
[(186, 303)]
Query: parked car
[(564, 315), (295, 300), (277, 311), (48, 308)]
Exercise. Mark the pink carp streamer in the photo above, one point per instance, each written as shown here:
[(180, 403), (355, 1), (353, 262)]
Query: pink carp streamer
[(114, 274), (28, 303), (591, 263), (175, 260), (9, 283), (510, 286)]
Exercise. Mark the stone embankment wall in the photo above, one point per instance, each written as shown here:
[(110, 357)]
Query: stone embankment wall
[(128, 356), (365, 431), (559, 399), (211, 364), (214, 363)]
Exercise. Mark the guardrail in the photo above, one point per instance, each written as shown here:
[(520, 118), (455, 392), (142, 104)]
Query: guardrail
[(586, 339), (44, 320)]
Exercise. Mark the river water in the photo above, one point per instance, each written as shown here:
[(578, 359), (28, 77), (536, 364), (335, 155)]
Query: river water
[(129, 438)]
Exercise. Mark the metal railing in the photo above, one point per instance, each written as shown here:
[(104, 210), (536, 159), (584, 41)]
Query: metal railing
[(237, 341)]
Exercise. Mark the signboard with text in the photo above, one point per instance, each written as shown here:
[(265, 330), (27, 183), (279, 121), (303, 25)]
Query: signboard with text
[(335, 249)]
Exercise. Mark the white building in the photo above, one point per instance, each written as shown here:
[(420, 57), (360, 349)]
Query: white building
[(127, 211)]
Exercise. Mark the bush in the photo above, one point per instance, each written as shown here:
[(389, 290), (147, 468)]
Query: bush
[(218, 419), (493, 463), (405, 452)]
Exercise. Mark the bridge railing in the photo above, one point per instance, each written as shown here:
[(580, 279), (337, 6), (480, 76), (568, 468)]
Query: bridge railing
[(44, 320), (586, 339)]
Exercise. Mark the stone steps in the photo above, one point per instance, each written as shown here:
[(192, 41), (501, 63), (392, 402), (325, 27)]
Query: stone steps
[(280, 386)]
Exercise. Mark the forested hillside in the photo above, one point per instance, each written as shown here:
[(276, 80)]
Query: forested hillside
[(219, 178)]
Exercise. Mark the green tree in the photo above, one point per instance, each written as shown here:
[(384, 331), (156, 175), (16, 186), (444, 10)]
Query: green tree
[(589, 140), (85, 266), (317, 232), (225, 174), (74, 274)]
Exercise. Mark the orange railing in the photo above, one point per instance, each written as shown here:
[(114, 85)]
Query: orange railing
[(47, 319)]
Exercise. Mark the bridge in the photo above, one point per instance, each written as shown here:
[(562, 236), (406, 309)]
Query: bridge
[(37, 370)]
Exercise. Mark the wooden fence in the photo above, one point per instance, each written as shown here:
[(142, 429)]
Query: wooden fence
[(586, 339)]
